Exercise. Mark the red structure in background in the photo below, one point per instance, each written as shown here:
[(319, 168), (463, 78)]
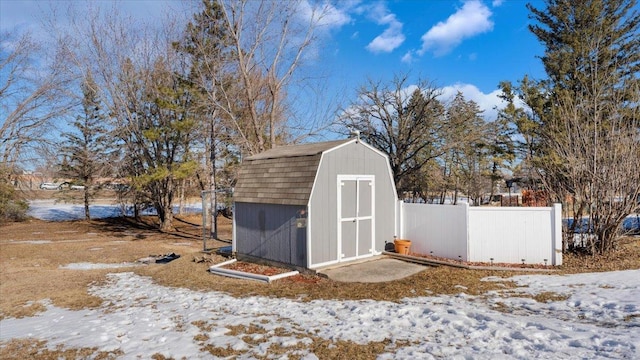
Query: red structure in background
[(509, 200), (534, 198)]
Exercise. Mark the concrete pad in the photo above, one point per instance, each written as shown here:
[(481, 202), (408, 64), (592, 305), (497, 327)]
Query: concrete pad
[(372, 271)]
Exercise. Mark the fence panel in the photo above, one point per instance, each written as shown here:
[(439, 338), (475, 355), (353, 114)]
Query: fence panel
[(438, 230), (511, 235), (478, 234)]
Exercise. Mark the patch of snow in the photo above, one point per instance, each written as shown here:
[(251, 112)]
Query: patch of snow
[(599, 319), (33, 242), (606, 299)]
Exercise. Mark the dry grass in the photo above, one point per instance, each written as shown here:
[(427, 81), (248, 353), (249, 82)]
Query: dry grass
[(322, 348), (184, 272), (33, 349), (625, 257), (31, 272), (33, 252)]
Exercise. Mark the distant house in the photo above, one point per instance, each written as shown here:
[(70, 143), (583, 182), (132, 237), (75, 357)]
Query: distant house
[(315, 204)]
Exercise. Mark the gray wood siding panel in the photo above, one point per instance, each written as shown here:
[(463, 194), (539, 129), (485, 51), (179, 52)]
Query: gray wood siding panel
[(322, 220), (269, 231), (351, 159), (385, 205)]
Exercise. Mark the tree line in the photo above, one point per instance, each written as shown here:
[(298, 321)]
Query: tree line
[(183, 103), (438, 148)]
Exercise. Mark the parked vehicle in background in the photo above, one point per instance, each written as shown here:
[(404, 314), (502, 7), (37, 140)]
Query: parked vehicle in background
[(50, 186), (76, 187)]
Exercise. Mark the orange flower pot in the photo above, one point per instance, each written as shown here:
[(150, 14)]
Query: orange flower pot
[(402, 246)]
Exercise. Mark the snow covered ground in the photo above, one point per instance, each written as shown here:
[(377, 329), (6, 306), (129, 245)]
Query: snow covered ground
[(599, 319)]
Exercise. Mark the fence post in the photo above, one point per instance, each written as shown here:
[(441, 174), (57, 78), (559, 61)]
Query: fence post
[(467, 233), (557, 234), (400, 219)]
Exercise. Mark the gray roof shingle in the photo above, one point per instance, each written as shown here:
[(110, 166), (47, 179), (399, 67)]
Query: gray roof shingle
[(283, 175)]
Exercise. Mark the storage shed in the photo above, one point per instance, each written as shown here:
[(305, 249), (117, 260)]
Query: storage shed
[(315, 204)]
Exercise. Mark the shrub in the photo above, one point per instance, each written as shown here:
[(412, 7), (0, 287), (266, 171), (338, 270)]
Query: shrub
[(12, 208)]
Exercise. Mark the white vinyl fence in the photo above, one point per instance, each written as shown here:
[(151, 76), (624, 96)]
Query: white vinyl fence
[(532, 235)]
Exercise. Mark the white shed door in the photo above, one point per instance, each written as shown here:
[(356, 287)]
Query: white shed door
[(355, 216)]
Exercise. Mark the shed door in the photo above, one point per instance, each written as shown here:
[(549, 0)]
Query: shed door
[(355, 218)]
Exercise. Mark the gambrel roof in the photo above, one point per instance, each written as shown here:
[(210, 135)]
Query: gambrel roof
[(283, 175)]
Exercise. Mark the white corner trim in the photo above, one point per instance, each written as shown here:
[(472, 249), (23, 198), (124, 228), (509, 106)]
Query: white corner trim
[(219, 270)]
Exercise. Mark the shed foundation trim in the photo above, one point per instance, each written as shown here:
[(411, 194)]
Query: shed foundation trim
[(218, 270)]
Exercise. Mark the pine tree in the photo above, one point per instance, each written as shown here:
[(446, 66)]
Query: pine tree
[(584, 117), (501, 150), (86, 150), (207, 47), (465, 161)]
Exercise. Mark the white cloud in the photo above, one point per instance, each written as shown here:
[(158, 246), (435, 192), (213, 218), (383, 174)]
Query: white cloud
[(497, 3), (470, 20), (487, 102), (408, 57), (326, 15), (388, 41), (392, 37)]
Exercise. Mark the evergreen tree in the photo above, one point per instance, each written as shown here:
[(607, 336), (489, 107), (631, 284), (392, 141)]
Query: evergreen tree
[(85, 152), (584, 118), (588, 40), (206, 46), (501, 150), (159, 136), (465, 160)]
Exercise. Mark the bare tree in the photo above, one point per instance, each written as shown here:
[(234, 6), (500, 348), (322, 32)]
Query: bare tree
[(402, 121), (599, 143), (269, 40), (32, 95)]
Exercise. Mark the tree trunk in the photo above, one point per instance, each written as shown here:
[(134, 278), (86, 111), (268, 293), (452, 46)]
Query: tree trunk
[(181, 197), (87, 215), (212, 185), (166, 221), (455, 193)]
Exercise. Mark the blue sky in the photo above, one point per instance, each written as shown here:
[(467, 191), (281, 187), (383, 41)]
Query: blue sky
[(466, 45), (460, 45)]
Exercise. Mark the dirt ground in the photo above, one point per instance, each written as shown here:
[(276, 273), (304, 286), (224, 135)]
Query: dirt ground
[(33, 254)]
